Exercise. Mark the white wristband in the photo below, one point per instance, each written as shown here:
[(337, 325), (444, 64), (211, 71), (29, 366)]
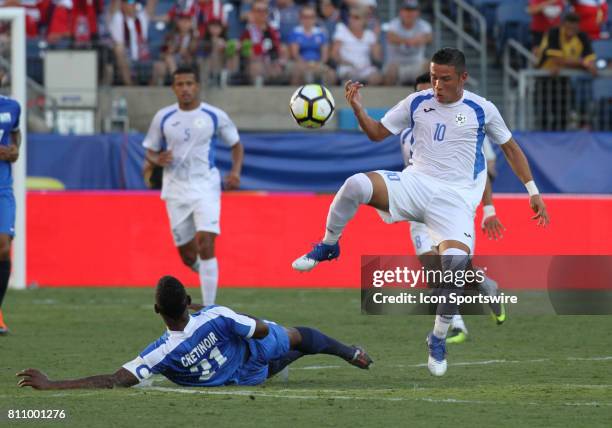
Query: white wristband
[(488, 211), (532, 189)]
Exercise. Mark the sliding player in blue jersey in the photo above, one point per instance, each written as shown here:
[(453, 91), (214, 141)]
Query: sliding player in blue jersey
[(213, 347), (10, 139)]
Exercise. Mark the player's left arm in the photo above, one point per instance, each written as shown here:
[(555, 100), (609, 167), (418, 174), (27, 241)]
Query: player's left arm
[(232, 180), (518, 162), (122, 378), (10, 152)]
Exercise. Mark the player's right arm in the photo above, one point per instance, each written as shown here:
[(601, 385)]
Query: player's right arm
[(375, 130), (153, 143), (38, 380)]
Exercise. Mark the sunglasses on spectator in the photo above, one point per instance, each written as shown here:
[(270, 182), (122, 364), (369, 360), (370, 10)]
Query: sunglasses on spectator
[(356, 16), (308, 17), (260, 9)]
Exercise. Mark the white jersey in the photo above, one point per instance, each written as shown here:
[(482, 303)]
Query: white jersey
[(407, 142), (191, 136), (448, 138)]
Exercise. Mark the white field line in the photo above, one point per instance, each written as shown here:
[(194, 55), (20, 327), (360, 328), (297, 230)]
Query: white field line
[(307, 395), (466, 363)]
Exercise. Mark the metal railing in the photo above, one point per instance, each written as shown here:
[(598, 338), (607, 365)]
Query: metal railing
[(563, 102), (515, 58), (457, 26)]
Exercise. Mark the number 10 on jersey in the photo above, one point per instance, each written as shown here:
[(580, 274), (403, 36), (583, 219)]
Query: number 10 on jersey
[(440, 131)]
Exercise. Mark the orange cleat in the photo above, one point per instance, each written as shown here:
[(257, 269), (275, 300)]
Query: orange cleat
[(3, 328)]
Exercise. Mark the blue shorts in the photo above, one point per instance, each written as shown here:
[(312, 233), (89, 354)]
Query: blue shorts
[(276, 344), (7, 212)]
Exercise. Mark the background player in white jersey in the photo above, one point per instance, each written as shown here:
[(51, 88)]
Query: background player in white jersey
[(213, 347), (182, 139), (445, 183), (422, 242)]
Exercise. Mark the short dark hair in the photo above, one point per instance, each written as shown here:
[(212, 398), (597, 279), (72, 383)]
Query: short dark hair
[(186, 69), (572, 17), (423, 78), (450, 56), (171, 297)]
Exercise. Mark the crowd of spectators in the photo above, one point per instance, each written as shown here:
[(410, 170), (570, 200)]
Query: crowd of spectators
[(241, 42), (264, 42)]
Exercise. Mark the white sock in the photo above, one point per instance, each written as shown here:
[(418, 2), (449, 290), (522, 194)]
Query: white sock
[(457, 322), (356, 190), (441, 325), (209, 276), (196, 266)]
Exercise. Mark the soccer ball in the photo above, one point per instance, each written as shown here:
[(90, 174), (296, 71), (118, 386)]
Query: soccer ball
[(312, 106)]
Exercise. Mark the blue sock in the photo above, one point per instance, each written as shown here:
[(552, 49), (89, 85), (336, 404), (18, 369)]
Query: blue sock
[(275, 366), (315, 342)]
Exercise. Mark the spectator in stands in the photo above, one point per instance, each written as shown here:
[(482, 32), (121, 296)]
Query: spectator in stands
[(330, 16), (545, 14), (219, 54), (288, 19), (309, 50), (202, 11), (565, 47), (179, 48), (354, 49), (129, 24), (85, 22), (59, 31), (407, 38), (593, 14), (260, 49), (35, 15)]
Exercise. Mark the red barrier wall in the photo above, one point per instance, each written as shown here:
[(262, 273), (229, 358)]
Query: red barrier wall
[(123, 238)]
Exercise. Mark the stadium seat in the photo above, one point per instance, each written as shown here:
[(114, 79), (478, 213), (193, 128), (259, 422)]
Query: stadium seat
[(513, 21), (488, 9), (603, 49), (602, 103)]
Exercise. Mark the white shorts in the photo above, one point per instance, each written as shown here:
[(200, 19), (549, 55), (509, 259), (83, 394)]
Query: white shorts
[(421, 239), (446, 213), (201, 215)]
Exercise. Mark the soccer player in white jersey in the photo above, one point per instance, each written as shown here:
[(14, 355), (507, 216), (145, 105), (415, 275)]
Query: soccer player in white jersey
[(424, 246), (445, 182), (212, 347), (182, 140)]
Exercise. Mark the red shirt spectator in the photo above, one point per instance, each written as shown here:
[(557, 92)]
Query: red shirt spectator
[(35, 13), (592, 13), (203, 11), (545, 14)]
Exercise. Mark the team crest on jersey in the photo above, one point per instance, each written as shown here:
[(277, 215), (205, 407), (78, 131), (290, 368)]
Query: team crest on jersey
[(460, 119), (5, 118), (199, 122)]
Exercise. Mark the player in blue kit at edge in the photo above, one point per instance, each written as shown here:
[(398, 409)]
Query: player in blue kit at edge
[(212, 347), (10, 139)]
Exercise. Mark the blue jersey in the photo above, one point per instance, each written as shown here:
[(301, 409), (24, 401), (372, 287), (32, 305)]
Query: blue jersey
[(208, 352), (309, 44), (9, 122)]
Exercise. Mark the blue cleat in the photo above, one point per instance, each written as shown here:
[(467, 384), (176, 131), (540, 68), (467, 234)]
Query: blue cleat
[(320, 253), (436, 363)]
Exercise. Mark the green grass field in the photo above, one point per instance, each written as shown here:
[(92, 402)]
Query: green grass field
[(533, 371)]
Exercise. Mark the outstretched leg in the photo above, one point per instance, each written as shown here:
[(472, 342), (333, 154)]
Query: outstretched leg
[(310, 341), (358, 189)]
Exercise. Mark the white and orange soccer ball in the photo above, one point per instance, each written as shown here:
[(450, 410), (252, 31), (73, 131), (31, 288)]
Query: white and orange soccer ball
[(312, 106)]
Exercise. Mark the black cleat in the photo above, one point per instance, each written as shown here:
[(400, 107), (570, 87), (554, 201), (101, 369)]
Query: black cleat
[(361, 359)]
